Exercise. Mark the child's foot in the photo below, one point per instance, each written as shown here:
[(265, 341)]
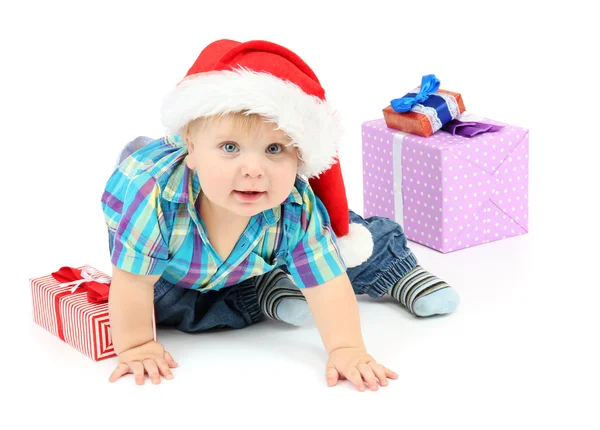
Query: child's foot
[(280, 299), (424, 294)]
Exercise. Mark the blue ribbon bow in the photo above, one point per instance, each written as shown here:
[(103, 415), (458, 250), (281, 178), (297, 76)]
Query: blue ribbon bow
[(429, 85)]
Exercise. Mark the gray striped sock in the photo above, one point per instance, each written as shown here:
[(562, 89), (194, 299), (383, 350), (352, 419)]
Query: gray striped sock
[(272, 289), (434, 296)]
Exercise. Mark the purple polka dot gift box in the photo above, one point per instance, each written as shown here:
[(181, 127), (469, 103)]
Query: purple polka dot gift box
[(448, 191)]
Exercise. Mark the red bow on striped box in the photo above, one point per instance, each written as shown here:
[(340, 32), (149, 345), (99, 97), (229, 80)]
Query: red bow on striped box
[(72, 304), (88, 278)]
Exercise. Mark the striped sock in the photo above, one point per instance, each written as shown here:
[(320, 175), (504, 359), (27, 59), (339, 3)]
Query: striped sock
[(424, 294), (280, 299)]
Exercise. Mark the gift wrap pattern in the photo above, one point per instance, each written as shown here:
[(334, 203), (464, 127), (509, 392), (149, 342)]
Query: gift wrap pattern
[(69, 316), (448, 192)]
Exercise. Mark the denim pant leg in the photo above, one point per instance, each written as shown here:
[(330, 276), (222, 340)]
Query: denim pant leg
[(192, 311), (390, 261)]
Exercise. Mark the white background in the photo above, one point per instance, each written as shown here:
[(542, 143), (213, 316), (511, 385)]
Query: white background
[(79, 80)]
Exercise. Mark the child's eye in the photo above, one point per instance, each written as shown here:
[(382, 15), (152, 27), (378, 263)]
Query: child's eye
[(229, 147), (275, 148)]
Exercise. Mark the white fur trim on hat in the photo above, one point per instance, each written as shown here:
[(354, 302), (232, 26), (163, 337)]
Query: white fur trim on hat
[(310, 122), (357, 246)]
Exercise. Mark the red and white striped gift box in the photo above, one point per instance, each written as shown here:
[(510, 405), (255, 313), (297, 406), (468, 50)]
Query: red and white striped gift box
[(71, 317)]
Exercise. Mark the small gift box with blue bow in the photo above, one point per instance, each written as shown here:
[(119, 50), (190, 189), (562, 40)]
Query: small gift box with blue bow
[(424, 110)]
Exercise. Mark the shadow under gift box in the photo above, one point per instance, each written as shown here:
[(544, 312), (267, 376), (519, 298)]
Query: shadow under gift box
[(72, 318), (448, 192)]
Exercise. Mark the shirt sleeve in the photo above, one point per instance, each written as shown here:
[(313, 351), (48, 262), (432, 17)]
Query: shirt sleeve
[(139, 246), (314, 256)]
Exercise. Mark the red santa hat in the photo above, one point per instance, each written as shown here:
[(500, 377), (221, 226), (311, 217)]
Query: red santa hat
[(260, 77)]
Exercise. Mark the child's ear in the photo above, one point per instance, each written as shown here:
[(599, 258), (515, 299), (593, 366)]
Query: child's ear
[(189, 159), (189, 144), (187, 137)]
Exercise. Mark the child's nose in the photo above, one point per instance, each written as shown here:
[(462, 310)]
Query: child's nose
[(252, 167)]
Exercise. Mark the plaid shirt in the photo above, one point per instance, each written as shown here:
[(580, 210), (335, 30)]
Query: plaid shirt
[(149, 206)]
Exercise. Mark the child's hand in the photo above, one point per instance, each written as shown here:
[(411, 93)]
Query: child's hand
[(355, 364), (150, 358)]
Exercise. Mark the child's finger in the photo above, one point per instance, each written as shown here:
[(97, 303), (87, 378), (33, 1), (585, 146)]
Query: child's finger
[(390, 373), (120, 370), (368, 376), (354, 376), (379, 371), (138, 372), (170, 360), (163, 367), (152, 370), (332, 376)]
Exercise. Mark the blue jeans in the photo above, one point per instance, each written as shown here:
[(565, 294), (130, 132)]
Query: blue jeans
[(237, 306)]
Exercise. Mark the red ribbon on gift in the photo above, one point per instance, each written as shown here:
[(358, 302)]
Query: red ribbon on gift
[(84, 281)]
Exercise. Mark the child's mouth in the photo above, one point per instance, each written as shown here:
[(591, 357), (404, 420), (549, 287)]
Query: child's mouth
[(249, 196)]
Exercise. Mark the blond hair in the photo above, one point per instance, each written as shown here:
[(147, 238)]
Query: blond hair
[(248, 122)]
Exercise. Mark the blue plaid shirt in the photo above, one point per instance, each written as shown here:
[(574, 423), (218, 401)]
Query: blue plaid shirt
[(149, 206)]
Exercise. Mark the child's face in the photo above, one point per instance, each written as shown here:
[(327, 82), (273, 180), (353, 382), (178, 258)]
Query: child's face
[(233, 158)]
